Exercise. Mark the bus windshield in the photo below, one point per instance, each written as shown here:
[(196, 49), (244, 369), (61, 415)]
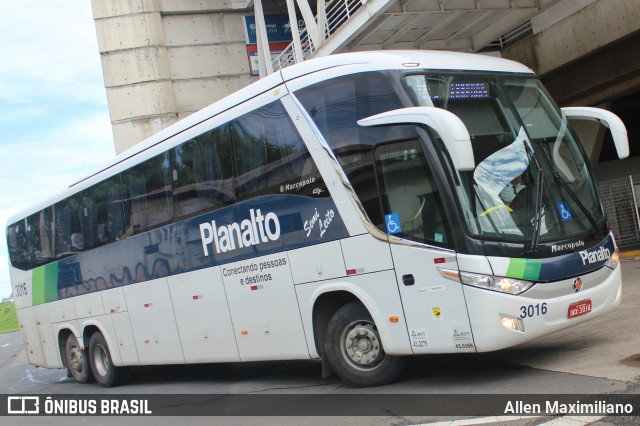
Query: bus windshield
[(531, 181)]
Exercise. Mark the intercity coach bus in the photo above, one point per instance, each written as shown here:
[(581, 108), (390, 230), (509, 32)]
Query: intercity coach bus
[(355, 209)]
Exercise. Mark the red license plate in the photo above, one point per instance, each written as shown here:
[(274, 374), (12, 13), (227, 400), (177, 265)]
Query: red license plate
[(580, 308)]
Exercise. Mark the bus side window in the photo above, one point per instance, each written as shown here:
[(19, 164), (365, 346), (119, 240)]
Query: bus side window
[(270, 156), (408, 190), (103, 213), (202, 173), (39, 237), (115, 209), (18, 248), (69, 236), (148, 200), (335, 106)]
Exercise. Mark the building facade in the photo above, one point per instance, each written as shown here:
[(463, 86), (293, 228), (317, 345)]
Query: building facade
[(163, 60)]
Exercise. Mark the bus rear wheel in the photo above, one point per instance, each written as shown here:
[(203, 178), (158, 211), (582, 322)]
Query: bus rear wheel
[(77, 361), (105, 373), (354, 349)]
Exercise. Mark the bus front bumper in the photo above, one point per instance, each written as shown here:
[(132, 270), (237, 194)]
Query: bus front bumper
[(501, 320)]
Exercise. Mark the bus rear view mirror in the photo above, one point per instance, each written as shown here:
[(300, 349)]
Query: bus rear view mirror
[(606, 118), (449, 127)]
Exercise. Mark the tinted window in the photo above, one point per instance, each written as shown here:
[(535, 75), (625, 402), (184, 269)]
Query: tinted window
[(270, 156), (39, 237), (17, 242), (203, 173), (336, 106), (147, 195), (69, 235), (408, 190), (103, 212)]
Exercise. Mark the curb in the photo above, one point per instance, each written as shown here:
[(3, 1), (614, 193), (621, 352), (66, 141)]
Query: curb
[(629, 254)]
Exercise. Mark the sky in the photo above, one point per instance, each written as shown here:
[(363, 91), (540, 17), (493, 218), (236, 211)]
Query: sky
[(54, 119)]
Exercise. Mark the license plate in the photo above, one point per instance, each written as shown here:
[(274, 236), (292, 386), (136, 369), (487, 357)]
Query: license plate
[(580, 308)]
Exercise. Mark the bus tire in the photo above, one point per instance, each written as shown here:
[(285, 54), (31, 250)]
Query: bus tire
[(77, 361), (105, 373), (354, 349)]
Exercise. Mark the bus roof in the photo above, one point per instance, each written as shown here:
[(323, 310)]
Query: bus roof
[(358, 61), (402, 59)]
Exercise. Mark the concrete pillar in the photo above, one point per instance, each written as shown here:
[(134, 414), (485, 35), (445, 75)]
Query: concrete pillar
[(135, 67), (165, 59)]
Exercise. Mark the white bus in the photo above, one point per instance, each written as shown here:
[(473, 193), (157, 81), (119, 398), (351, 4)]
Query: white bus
[(356, 209)]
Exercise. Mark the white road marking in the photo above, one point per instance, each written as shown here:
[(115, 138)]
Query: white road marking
[(31, 378), (479, 421), (560, 421), (573, 421)]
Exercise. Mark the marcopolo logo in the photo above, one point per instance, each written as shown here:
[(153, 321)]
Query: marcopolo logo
[(567, 246), (599, 255), (297, 185), (257, 229)]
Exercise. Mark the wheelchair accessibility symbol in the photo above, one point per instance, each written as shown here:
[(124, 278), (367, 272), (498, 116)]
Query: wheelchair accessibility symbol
[(565, 213), (393, 223)]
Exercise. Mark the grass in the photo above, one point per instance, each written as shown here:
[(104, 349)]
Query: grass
[(8, 318)]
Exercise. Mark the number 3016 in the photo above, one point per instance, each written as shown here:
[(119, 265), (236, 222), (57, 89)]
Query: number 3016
[(533, 310), (21, 289)]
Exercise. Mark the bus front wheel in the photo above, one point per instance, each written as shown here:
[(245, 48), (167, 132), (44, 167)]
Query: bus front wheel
[(77, 362), (354, 349), (105, 373)]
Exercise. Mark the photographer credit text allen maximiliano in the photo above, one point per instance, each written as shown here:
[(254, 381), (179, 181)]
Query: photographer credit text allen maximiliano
[(557, 407)]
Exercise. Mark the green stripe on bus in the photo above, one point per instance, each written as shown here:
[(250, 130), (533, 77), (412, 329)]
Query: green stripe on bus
[(516, 267), (45, 284), (527, 269), (532, 270)]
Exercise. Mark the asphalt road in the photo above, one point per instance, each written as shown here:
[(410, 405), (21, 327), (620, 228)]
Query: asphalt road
[(601, 356)]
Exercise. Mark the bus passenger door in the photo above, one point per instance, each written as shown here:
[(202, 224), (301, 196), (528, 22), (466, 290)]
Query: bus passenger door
[(434, 306)]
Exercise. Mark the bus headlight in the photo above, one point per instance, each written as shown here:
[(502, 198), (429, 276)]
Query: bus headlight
[(614, 260), (488, 282), (511, 323)]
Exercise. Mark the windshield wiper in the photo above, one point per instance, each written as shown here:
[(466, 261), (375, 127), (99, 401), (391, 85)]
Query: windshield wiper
[(537, 218), (532, 247)]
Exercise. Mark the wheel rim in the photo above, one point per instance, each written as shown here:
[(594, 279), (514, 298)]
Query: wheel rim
[(361, 345), (101, 360), (76, 360)]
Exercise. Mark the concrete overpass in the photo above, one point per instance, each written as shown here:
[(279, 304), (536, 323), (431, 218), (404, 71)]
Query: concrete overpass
[(356, 25)]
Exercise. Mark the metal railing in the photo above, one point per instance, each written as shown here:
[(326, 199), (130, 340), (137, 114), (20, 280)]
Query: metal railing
[(512, 36), (620, 200), (288, 57), (337, 12)]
